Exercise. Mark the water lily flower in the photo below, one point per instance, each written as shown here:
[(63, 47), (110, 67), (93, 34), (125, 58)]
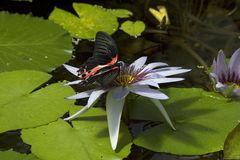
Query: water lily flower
[(135, 78), (227, 76)]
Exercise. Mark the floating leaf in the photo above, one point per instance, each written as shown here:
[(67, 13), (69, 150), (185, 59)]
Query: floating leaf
[(22, 108), (121, 13), (232, 144), (88, 139), (31, 43), (11, 155), (92, 18), (133, 28), (202, 119)]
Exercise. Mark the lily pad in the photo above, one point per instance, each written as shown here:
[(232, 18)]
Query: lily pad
[(232, 144), (133, 28), (88, 139), (32, 43), (11, 155), (92, 18), (20, 107), (202, 119), (121, 13)]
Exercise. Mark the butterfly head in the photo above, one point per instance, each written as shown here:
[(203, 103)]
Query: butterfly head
[(120, 64)]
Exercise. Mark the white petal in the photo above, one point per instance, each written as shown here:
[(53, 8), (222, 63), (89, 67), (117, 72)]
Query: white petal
[(163, 111), (95, 94), (81, 95), (94, 97), (166, 80), (114, 111), (226, 90), (220, 85), (151, 66), (139, 63), (120, 92), (165, 69), (75, 115), (148, 92), (71, 69), (73, 82), (146, 82), (153, 76), (173, 72)]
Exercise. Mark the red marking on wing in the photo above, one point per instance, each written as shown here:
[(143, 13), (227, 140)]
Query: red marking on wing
[(114, 68), (97, 68)]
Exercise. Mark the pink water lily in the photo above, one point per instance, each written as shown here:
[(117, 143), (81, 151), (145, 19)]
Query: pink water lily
[(135, 78), (227, 76)]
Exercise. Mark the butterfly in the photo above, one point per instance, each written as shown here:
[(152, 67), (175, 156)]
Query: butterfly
[(103, 66)]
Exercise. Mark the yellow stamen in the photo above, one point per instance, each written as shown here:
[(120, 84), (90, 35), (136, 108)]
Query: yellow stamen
[(124, 80)]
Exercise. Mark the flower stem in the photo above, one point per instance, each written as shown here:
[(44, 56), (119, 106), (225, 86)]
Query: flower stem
[(179, 42), (198, 58)]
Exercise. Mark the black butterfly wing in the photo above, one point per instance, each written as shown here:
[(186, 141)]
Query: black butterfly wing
[(104, 50), (105, 45)]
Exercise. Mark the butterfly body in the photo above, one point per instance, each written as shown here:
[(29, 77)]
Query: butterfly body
[(84, 74), (103, 66)]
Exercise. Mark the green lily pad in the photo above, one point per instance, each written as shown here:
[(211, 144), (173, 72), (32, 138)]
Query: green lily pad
[(202, 119), (88, 139), (32, 43), (92, 18), (22, 108), (232, 144), (121, 13), (133, 28), (11, 155)]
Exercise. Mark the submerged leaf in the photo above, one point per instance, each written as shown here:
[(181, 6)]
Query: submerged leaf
[(20, 107), (133, 28), (202, 121), (31, 43), (88, 139), (92, 18)]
